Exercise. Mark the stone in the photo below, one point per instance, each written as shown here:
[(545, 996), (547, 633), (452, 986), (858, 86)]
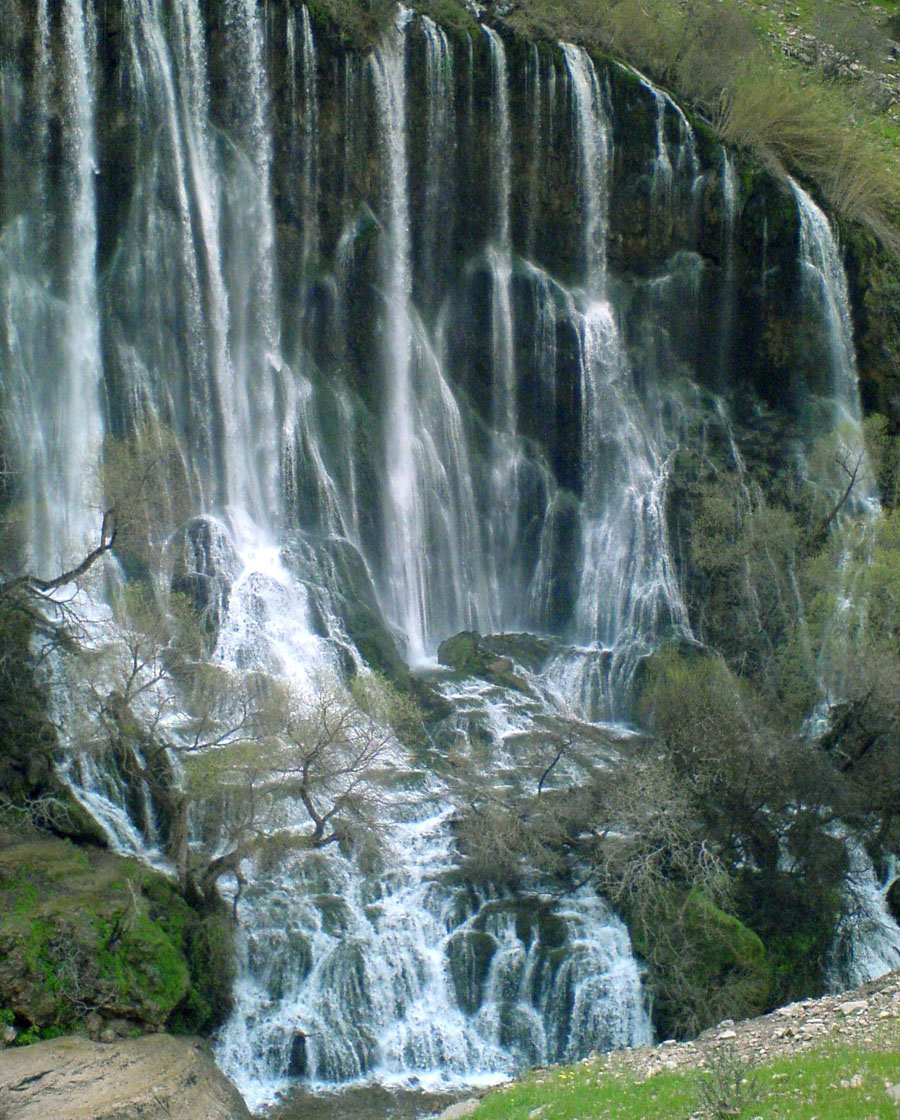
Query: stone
[(297, 1062), (460, 1109), (10, 1034), (94, 1024), (155, 1077), (108, 1035), (893, 1091), (852, 1006)]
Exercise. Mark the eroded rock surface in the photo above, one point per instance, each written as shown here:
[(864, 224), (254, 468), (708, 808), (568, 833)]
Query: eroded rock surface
[(148, 1078)]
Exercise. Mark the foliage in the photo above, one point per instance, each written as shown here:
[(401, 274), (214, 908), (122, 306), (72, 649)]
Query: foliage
[(27, 737), (727, 1085), (145, 481)]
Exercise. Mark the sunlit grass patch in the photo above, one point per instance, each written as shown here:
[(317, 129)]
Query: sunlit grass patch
[(843, 1083)]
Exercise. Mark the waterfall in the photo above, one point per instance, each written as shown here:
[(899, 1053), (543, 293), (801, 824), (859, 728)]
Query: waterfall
[(348, 977), (255, 334), (867, 944), (825, 283), (373, 318), (309, 132), (534, 93), (664, 182), (51, 367), (729, 200), (628, 595), (404, 544), (505, 466), (440, 123), (592, 136)]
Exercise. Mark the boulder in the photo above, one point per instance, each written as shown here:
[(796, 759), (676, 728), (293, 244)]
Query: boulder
[(156, 1076)]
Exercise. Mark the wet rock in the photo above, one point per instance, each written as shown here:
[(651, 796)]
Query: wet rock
[(204, 567), (470, 954), (467, 653), (297, 1060)]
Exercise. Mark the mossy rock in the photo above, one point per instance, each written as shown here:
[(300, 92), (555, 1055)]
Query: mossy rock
[(796, 916), (727, 948), (534, 920), (527, 649), (705, 965), (469, 656), (84, 930)]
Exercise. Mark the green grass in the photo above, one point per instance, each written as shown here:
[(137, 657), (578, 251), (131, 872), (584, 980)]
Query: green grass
[(829, 1083)]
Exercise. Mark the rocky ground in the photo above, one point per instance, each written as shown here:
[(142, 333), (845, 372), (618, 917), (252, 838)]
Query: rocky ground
[(876, 70), (155, 1077), (860, 1017)]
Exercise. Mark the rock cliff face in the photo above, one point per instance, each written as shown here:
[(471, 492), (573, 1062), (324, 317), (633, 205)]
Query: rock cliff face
[(149, 1078)]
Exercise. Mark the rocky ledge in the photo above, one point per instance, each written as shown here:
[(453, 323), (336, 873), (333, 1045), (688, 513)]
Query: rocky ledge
[(155, 1077)]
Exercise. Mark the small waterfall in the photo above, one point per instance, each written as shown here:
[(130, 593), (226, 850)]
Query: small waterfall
[(666, 172), (350, 978), (404, 545), (534, 93), (825, 284), (441, 119), (435, 568), (505, 465), (255, 334), (592, 133), (310, 143), (628, 594), (868, 939), (502, 151), (835, 408)]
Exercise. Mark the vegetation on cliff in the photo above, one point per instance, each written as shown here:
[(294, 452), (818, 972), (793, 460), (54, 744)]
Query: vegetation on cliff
[(823, 108)]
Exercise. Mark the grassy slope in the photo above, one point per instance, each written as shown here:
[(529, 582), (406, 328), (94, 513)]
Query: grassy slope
[(829, 1083)]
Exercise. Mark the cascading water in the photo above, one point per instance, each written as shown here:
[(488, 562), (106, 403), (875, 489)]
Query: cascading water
[(868, 939), (825, 285), (729, 198), (51, 367), (629, 594), (310, 285)]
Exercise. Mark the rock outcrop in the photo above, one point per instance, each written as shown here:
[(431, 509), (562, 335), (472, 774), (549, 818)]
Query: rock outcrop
[(148, 1078)]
